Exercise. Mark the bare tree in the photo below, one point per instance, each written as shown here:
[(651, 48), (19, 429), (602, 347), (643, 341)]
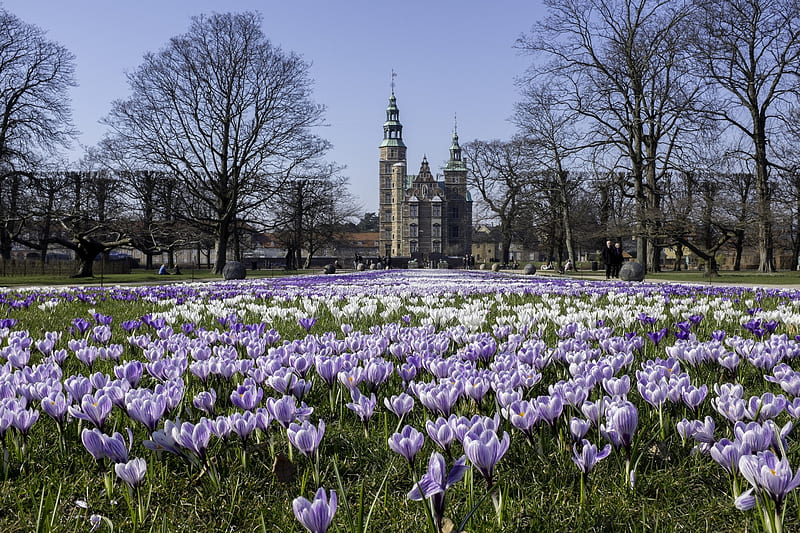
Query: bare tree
[(750, 51), (620, 64), (309, 213), (550, 128), (225, 112), (35, 115), (501, 173)]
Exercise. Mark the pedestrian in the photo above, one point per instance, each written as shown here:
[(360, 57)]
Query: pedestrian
[(608, 258), (618, 259)]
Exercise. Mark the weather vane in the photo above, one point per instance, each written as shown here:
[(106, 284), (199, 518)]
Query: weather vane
[(394, 75), (455, 123)]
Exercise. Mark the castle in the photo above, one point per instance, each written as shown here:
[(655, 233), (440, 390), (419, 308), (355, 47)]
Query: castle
[(421, 217)]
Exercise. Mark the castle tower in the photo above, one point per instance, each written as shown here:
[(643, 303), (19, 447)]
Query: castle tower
[(458, 225), (392, 151)]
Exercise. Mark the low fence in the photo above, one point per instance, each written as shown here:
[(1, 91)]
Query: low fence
[(33, 267)]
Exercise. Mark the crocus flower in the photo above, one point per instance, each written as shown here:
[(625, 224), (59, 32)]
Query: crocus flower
[(306, 437), (578, 428), (588, 456), (766, 472), (307, 323), (194, 437), (94, 408), (484, 450), (361, 405), (132, 472), (205, 400), (407, 443), (435, 482), (247, 397), (316, 515), (441, 433), (621, 421), (726, 453), (400, 404), (657, 336)]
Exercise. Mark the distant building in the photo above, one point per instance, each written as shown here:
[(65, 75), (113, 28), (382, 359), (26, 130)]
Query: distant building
[(421, 216)]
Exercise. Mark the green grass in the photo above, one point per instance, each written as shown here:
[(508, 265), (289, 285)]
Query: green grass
[(749, 277), (139, 276)]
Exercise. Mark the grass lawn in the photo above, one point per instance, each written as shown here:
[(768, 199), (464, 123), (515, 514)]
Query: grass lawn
[(139, 276), (747, 277)]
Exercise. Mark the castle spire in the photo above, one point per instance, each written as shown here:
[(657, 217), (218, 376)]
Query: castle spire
[(392, 129)]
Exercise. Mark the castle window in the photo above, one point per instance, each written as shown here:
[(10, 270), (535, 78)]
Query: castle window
[(413, 230), (413, 210), (436, 211), (437, 230), (436, 247), (414, 246)]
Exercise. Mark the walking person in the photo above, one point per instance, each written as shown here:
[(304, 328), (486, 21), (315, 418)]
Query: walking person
[(608, 258), (618, 259)]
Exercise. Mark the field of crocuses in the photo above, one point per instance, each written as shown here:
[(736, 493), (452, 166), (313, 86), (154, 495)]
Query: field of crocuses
[(399, 401)]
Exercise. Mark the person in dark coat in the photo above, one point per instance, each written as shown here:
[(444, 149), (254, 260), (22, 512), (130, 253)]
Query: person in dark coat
[(608, 258), (618, 259)]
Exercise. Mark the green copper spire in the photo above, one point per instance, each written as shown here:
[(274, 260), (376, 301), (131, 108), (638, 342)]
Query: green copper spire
[(455, 163), (392, 129)]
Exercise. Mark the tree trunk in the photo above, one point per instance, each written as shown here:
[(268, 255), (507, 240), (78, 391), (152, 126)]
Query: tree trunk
[(766, 260), (678, 257), (739, 247), (223, 235), (5, 243), (85, 253)]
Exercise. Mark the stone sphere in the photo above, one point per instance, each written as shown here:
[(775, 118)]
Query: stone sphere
[(529, 269), (496, 267), (329, 269), (234, 270), (631, 271), (482, 266)]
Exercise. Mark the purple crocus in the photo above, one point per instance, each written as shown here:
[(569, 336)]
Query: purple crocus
[(726, 453), (94, 408), (205, 400), (484, 450), (316, 515), (441, 433), (621, 421), (657, 336), (307, 323), (362, 405), (766, 472), (146, 408), (101, 446), (407, 443), (400, 404), (132, 472), (435, 482), (247, 396), (306, 437), (588, 457), (523, 415), (55, 405), (194, 437), (578, 428)]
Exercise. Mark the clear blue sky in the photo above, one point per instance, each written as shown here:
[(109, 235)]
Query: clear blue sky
[(451, 57)]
